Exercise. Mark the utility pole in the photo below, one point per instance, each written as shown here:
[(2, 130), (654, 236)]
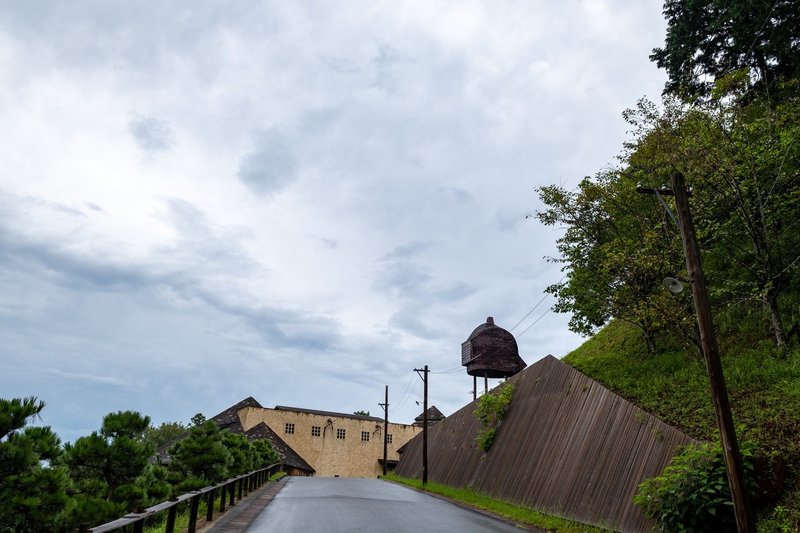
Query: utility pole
[(424, 425), (385, 428), (719, 393)]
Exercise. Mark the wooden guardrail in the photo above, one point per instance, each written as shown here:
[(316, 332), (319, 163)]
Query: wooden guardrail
[(230, 490)]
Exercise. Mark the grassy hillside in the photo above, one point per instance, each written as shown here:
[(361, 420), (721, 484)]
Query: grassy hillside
[(763, 385)]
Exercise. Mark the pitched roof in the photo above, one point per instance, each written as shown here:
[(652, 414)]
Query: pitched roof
[(229, 418), (434, 415), (327, 413), (288, 456)]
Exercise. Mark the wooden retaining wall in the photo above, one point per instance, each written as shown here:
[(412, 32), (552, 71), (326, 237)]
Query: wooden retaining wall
[(567, 446)]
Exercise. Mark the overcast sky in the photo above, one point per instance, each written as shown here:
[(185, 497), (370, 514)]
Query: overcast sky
[(295, 201)]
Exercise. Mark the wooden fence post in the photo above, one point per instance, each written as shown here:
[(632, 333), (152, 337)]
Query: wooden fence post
[(193, 507)]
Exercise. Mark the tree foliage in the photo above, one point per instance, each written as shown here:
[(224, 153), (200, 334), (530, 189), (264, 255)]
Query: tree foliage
[(692, 493), (709, 39), (45, 487), (201, 457), (742, 162), (616, 250), (32, 489), (105, 465), (165, 433)]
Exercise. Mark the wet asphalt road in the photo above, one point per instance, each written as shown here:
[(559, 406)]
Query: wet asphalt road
[(343, 505)]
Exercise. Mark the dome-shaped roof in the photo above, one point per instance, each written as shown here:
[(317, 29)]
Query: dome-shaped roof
[(491, 351)]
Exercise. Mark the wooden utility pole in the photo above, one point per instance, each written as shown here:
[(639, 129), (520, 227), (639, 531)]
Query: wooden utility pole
[(719, 393), (385, 428), (424, 425)]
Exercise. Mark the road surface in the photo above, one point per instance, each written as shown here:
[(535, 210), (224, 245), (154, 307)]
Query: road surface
[(346, 505)]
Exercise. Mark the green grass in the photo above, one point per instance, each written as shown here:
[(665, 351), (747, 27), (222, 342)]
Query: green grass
[(763, 387), (510, 511), (277, 475)]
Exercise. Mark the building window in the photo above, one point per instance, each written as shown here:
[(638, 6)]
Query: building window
[(340, 433), (316, 431), (289, 429), (389, 438), (365, 436)]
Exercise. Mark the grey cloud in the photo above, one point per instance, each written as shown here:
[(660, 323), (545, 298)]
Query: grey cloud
[(406, 251), (456, 291), (508, 222), (67, 268), (407, 279), (403, 278), (341, 65), (385, 77), (459, 195), (202, 267), (94, 378), (410, 320), (270, 165), (151, 134)]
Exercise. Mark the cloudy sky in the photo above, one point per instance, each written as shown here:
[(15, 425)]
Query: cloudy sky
[(298, 201)]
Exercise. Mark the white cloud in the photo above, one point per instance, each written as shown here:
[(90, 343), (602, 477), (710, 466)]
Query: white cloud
[(292, 201)]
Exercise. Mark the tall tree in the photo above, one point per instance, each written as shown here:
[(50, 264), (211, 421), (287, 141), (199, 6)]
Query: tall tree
[(616, 250), (743, 163), (165, 433), (201, 458), (32, 489), (105, 466), (709, 39)]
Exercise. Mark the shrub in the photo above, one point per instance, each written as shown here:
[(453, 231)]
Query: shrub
[(492, 407), (692, 493)]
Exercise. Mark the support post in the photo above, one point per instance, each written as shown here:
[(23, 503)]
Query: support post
[(385, 429), (425, 432), (171, 515), (193, 506), (424, 424), (719, 393)]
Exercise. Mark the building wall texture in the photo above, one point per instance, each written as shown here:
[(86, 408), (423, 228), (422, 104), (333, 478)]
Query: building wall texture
[(328, 454), (567, 446)]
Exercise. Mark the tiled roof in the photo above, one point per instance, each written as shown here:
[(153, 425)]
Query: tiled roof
[(327, 413), (288, 456), (434, 415), (229, 418)]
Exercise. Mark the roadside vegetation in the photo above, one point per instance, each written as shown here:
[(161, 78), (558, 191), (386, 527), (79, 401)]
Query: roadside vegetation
[(49, 487), (764, 388), (509, 511), (729, 123)]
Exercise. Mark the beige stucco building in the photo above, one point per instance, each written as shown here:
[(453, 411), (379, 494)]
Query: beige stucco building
[(333, 444)]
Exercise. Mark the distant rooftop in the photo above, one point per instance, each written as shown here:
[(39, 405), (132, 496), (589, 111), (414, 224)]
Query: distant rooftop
[(434, 415), (327, 413)]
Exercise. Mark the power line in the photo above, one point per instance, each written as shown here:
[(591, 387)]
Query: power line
[(452, 370), (534, 323), (529, 312), (535, 306)]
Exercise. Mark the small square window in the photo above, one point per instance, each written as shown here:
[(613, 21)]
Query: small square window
[(365, 436), (289, 429), (389, 438), (316, 431), (340, 433)]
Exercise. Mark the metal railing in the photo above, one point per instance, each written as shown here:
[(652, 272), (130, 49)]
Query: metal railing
[(230, 490)]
